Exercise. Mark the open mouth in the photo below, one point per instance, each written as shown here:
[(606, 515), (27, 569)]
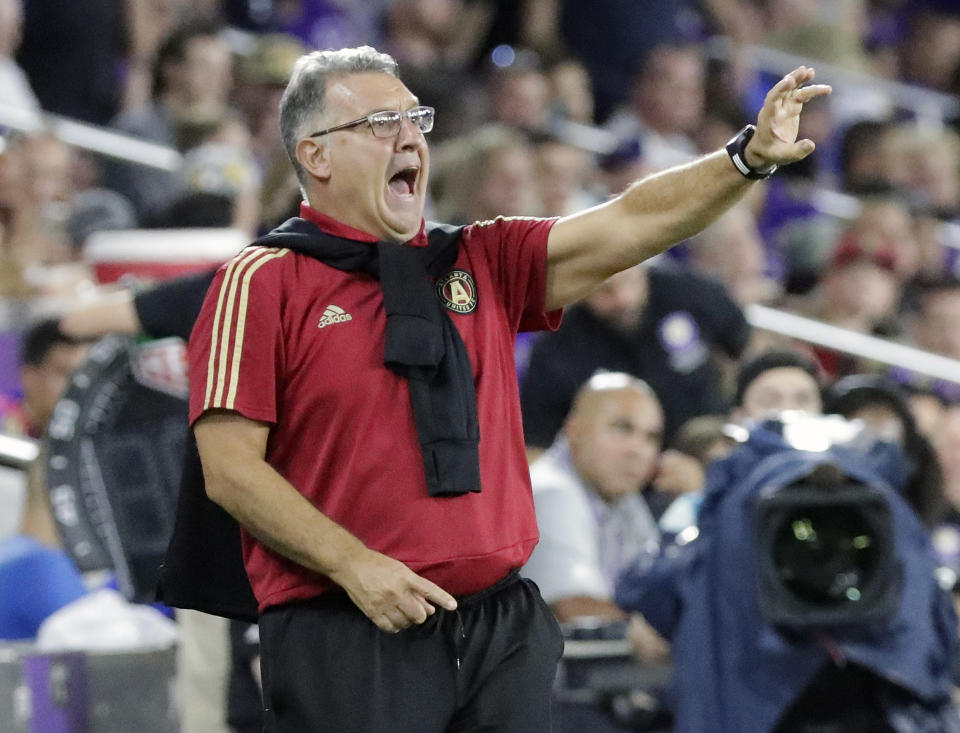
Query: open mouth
[(403, 182)]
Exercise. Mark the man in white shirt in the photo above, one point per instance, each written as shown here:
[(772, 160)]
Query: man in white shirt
[(587, 487)]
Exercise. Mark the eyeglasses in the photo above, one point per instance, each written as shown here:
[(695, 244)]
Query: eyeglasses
[(387, 122)]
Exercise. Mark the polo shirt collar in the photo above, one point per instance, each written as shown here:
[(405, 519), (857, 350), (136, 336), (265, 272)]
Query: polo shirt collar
[(335, 228)]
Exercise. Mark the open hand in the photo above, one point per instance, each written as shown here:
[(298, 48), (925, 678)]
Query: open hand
[(389, 593), (779, 121)]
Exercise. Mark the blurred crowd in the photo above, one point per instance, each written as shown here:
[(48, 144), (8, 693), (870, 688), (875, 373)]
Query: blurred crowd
[(544, 107)]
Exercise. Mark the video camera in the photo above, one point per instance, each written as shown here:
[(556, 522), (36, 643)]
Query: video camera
[(807, 560), (824, 544)]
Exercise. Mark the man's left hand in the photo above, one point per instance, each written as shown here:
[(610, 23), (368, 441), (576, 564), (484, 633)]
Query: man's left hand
[(778, 122)]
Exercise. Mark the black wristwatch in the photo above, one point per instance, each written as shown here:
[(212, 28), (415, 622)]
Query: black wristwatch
[(736, 148)]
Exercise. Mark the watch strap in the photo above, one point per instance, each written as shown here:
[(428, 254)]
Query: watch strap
[(736, 150)]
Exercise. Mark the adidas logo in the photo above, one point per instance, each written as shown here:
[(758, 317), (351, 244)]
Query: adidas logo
[(333, 314)]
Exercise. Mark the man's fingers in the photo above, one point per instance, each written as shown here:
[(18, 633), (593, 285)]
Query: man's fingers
[(427, 606), (394, 597), (432, 592), (800, 75), (800, 150), (413, 610), (791, 86), (791, 81), (805, 94), (388, 621)]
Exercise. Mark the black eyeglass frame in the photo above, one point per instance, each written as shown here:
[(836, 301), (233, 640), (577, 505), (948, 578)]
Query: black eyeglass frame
[(369, 119)]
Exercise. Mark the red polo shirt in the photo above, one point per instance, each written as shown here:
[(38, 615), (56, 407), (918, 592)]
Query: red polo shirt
[(285, 339)]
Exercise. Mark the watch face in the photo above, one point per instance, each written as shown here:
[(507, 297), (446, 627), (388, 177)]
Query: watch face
[(117, 445)]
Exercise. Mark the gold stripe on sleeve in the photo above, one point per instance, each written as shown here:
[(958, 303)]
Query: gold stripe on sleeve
[(242, 323), (224, 305)]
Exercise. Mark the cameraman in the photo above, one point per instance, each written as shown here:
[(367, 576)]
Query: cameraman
[(768, 382)]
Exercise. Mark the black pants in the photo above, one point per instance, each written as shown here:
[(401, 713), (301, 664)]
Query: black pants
[(488, 666)]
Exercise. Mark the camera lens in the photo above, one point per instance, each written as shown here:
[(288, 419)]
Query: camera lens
[(825, 556)]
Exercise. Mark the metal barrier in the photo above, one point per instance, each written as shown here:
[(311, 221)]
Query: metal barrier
[(851, 342), (929, 106), (99, 140)]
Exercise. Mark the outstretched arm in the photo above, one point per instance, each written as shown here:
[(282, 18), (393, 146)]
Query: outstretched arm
[(586, 248), (232, 450), (109, 312)]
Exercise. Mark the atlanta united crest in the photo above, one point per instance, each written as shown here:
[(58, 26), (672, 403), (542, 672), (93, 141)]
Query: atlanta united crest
[(458, 291)]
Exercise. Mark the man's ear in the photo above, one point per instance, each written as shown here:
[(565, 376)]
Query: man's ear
[(314, 156)]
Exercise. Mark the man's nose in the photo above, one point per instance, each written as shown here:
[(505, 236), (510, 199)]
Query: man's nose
[(637, 443), (409, 135)]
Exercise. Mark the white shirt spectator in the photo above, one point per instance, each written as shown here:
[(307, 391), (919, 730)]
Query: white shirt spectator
[(584, 541)]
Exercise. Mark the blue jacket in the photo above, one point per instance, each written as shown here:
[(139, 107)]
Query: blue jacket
[(733, 670)]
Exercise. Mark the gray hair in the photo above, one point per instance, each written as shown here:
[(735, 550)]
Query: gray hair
[(304, 99)]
